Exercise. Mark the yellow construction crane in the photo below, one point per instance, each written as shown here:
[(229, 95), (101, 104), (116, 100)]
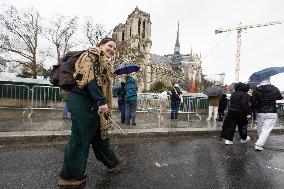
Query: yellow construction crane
[(239, 30)]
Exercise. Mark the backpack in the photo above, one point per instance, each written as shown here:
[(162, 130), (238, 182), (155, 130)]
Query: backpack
[(61, 75)]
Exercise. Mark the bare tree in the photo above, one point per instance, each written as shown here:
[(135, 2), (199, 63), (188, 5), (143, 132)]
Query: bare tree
[(60, 33), (94, 32), (19, 38), (2, 63)]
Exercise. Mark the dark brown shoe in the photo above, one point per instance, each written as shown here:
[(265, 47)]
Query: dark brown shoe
[(121, 162), (72, 182)]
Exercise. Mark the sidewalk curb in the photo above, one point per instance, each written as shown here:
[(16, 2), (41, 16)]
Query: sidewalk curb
[(8, 138)]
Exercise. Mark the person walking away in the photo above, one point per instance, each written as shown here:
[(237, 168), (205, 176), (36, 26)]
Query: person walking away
[(120, 100), (222, 107), (264, 100), (214, 94), (176, 98), (89, 103), (238, 114), (130, 100)]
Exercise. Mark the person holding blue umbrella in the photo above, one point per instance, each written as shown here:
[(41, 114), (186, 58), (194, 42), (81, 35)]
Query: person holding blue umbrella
[(264, 100), (130, 100)]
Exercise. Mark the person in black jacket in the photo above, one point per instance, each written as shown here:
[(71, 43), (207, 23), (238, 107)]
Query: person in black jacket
[(238, 114), (175, 101), (120, 100), (264, 100), (222, 107)]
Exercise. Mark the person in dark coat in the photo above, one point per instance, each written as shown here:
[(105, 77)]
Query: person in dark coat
[(222, 107), (238, 114), (120, 101), (175, 101), (252, 108), (264, 100)]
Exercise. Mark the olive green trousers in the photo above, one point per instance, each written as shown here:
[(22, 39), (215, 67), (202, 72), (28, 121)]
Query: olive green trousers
[(84, 131)]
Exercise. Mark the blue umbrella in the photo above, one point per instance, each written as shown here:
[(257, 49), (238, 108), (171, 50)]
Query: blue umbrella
[(126, 68), (266, 73)]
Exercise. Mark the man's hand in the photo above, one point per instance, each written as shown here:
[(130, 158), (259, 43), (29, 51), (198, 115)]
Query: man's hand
[(103, 108), (248, 116)]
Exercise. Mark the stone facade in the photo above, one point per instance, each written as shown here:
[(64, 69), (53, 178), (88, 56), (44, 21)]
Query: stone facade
[(134, 43)]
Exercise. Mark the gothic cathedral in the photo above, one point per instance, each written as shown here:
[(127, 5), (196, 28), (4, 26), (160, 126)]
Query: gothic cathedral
[(134, 43)]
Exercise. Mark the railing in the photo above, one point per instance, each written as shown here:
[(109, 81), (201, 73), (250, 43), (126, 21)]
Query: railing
[(190, 105), (46, 97), (14, 96)]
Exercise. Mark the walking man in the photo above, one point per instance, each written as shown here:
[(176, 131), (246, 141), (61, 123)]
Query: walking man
[(264, 100), (176, 98)]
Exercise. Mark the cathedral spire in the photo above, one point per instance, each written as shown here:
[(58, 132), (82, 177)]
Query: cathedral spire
[(177, 46)]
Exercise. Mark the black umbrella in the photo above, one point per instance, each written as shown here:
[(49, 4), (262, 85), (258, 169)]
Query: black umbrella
[(213, 91), (126, 68), (266, 73)]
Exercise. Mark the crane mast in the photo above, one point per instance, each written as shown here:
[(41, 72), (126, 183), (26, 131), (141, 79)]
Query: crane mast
[(239, 30)]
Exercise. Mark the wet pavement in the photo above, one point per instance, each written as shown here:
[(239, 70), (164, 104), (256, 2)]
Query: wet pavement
[(162, 154), (160, 163)]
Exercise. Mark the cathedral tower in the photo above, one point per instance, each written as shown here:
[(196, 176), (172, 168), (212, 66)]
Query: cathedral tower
[(134, 39), (177, 45)]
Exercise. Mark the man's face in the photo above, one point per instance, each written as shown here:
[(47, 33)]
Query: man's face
[(109, 48)]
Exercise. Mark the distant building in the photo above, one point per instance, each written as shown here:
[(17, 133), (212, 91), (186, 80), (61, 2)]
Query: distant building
[(171, 68)]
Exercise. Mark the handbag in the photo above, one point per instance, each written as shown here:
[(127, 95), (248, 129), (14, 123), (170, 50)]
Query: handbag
[(181, 98), (179, 95)]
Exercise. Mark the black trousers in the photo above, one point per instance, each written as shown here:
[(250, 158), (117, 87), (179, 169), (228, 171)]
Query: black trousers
[(233, 119)]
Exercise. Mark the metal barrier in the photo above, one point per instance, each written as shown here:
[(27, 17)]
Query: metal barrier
[(146, 103), (14, 96), (143, 104), (46, 97), (202, 104), (189, 106)]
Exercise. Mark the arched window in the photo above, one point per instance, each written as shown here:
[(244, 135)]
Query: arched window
[(143, 32), (139, 23), (122, 37)]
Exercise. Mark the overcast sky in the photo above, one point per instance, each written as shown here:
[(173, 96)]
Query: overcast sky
[(261, 47)]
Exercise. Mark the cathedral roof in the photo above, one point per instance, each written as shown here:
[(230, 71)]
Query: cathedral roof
[(138, 11)]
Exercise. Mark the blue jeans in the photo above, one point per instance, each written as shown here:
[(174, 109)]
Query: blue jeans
[(175, 108), (243, 131), (122, 113), (65, 111), (130, 111)]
